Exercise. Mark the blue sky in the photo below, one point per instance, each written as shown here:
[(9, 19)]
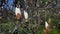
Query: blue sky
[(9, 4)]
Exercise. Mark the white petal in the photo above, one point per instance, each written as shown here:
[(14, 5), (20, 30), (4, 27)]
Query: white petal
[(25, 15), (46, 24), (17, 10)]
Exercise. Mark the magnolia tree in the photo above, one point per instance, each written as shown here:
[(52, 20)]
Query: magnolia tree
[(38, 12)]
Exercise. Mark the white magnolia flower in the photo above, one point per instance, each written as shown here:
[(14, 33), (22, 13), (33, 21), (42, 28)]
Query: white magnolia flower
[(46, 25), (25, 14), (17, 10)]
